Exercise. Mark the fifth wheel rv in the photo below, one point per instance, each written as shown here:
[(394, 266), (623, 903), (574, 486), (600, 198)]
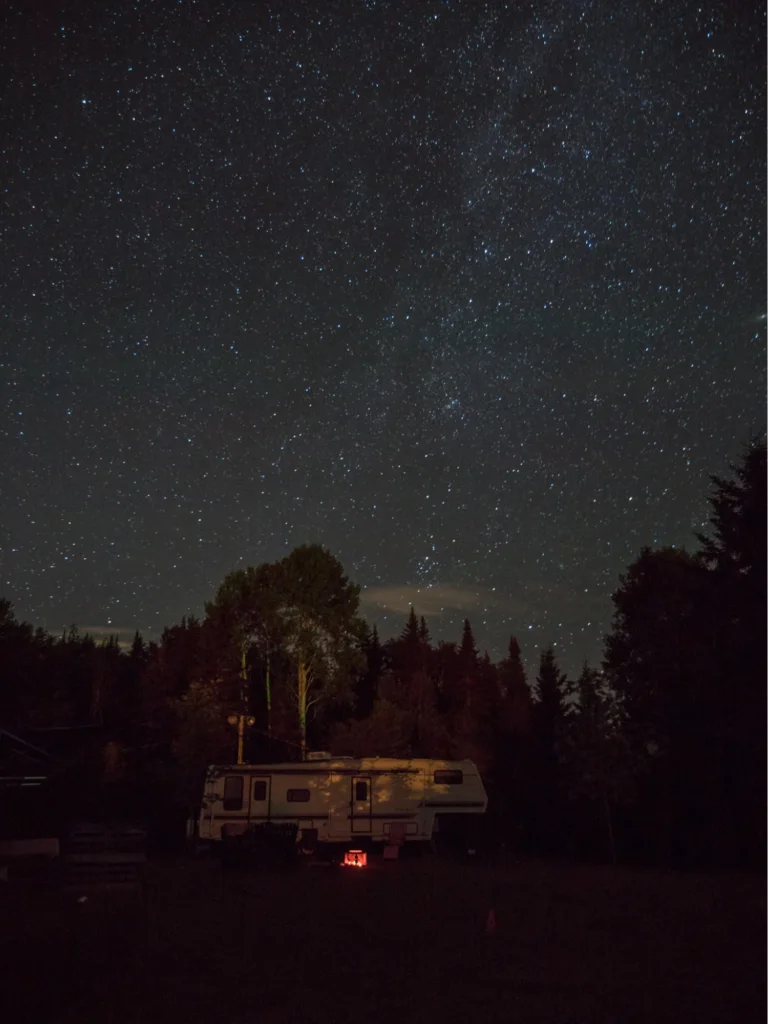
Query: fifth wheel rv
[(340, 800)]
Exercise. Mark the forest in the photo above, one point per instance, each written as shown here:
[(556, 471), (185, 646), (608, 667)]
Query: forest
[(656, 756)]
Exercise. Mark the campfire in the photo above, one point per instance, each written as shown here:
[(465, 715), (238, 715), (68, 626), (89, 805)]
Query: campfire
[(355, 859)]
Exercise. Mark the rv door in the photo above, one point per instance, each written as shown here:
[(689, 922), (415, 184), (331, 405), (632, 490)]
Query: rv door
[(360, 803), (261, 793)]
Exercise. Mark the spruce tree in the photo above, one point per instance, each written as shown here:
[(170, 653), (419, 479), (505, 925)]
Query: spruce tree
[(548, 719), (550, 688), (367, 687), (410, 652), (410, 633), (468, 649), (660, 661), (599, 768), (515, 692), (735, 617), (510, 775)]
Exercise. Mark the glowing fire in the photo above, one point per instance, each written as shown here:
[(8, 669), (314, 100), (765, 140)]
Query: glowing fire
[(355, 859)]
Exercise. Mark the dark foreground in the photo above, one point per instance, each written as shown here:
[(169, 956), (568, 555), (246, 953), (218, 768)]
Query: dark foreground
[(394, 942)]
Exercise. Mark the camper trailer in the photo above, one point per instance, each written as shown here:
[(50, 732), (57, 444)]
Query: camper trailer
[(340, 800)]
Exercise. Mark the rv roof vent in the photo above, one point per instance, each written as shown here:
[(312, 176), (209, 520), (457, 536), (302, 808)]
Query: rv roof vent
[(318, 755)]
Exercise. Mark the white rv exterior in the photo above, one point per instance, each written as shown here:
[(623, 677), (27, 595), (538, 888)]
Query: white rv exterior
[(343, 799)]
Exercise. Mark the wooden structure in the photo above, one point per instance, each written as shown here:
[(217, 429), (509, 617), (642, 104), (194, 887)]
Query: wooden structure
[(97, 856)]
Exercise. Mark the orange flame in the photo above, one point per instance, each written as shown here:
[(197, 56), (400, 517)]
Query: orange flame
[(355, 859)]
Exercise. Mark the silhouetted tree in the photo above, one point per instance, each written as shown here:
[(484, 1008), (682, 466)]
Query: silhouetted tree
[(317, 607), (548, 719), (735, 613), (513, 683), (550, 696), (447, 676), (411, 632), (468, 656), (659, 660), (246, 608), (386, 732), (202, 738), (367, 687), (411, 651), (654, 655), (512, 774), (600, 769), (28, 692)]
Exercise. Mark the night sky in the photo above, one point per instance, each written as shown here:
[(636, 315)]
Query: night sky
[(472, 294)]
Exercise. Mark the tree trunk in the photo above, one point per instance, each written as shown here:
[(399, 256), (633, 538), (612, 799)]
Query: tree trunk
[(303, 693), (268, 688), (243, 713), (609, 824), (96, 700)]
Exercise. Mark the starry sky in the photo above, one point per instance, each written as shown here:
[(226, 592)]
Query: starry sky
[(472, 294)]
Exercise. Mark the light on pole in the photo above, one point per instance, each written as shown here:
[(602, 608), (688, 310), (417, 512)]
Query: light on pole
[(240, 721)]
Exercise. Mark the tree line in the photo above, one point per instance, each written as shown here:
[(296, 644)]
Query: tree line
[(655, 756)]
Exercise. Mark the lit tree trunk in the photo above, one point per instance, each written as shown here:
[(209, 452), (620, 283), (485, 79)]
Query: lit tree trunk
[(240, 738), (268, 688), (243, 702), (303, 694), (244, 680)]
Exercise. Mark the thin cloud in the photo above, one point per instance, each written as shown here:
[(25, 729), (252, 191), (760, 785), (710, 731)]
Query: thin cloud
[(124, 634), (435, 600)]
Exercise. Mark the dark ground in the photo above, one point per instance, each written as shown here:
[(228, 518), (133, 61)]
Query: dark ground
[(394, 942)]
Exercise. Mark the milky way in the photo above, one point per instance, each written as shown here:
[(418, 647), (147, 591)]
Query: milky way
[(475, 297)]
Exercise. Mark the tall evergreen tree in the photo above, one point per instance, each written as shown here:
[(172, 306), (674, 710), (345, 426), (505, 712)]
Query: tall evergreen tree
[(659, 661), (27, 689), (512, 774), (599, 769), (515, 692), (411, 651), (550, 690), (738, 519), (410, 633), (367, 686), (735, 613), (548, 719), (468, 649)]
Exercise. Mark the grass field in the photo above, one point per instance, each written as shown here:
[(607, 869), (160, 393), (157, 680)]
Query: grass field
[(401, 941)]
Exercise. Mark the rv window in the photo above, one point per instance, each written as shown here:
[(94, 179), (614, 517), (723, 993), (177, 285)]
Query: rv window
[(298, 796), (233, 793), (449, 777), (260, 789), (361, 791)]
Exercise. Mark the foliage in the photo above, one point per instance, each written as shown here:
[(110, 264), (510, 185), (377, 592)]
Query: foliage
[(202, 736), (547, 723), (386, 732), (686, 658), (654, 658), (317, 606), (599, 764), (661, 756), (550, 693)]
